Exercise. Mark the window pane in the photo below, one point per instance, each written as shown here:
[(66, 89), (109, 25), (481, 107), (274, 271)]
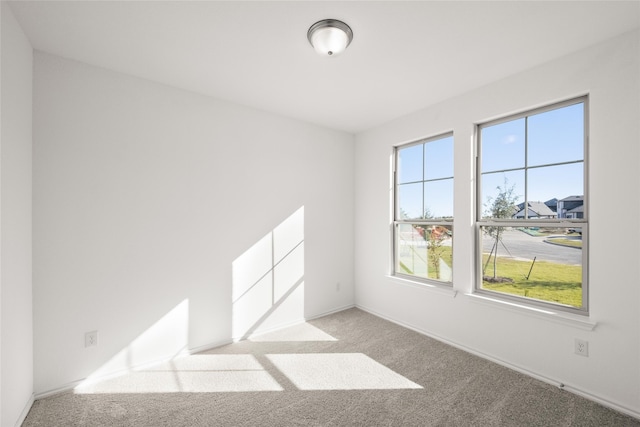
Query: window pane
[(539, 263), (438, 199), (424, 190), (410, 201), (556, 136), (424, 251), (503, 146), (501, 193), (411, 247), (556, 182), (438, 158), (409, 166), (542, 259)]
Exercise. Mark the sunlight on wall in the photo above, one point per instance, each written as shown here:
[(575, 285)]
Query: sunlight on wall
[(165, 339), (268, 280), (267, 294), (338, 371)]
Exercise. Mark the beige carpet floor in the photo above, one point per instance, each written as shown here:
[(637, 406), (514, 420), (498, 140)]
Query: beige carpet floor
[(347, 369)]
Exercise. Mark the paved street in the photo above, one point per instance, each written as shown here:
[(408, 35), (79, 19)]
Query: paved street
[(524, 246)]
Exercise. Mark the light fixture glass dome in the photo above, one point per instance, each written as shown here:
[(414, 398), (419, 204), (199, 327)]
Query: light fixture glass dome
[(330, 37)]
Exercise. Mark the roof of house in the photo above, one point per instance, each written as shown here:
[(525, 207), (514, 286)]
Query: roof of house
[(573, 199), (537, 209)]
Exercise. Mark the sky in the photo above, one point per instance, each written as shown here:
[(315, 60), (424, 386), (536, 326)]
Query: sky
[(550, 144), (437, 158)]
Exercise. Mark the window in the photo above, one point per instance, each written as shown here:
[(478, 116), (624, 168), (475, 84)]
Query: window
[(532, 217), (423, 211)]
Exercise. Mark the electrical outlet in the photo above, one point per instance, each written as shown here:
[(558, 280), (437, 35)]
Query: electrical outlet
[(91, 339), (582, 347)]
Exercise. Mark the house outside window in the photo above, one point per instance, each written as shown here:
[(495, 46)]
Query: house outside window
[(571, 207), (532, 223), (423, 210)]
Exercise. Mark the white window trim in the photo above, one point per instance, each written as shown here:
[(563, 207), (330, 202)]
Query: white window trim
[(402, 277), (520, 301)]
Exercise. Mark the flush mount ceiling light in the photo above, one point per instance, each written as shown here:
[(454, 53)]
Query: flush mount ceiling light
[(330, 37)]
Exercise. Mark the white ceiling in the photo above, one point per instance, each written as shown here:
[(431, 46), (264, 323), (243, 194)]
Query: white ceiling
[(404, 56)]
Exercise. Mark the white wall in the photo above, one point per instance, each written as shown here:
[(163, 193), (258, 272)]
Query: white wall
[(145, 195), (610, 74), (16, 326)]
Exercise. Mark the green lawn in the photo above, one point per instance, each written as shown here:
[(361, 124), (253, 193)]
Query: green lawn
[(548, 281), (447, 256)]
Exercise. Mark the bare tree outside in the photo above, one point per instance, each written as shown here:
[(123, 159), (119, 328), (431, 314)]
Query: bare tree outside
[(502, 206)]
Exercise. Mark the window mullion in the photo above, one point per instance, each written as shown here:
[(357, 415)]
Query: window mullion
[(424, 177), (526, 168)]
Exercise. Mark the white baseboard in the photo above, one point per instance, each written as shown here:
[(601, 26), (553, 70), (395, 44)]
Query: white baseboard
[(293, 323), (572, 389), (25, 411), (59, 390), (209, 346), (327, 313)]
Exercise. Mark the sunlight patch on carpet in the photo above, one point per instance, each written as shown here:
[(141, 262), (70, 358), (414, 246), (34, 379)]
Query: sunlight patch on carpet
[(206, 373), (338, 371)]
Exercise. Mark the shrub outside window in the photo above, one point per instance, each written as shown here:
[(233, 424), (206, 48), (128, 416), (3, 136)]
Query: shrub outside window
[(532, 207), (423, 211)]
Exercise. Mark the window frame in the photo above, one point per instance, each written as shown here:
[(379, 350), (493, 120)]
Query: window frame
[(582, 223), (397, 220)]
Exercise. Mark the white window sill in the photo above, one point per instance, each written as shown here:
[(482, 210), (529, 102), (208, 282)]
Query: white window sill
[(556, 316), (439, 289)]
